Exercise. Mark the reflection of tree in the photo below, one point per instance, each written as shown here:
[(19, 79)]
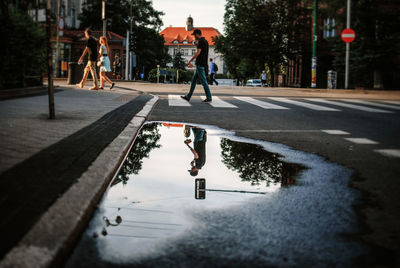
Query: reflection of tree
[(255, 164), (146, 140)]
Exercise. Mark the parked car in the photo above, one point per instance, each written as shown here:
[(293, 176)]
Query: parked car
[(253, 83)]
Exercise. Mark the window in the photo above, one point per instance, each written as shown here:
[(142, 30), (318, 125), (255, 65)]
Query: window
[(193, 51), (175, 51), (185, 42), (175, 42), (329, 27)]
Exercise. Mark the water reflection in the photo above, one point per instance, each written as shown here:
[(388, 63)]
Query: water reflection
[(147, 140), (154, 197), (256, 165), (199, 150)]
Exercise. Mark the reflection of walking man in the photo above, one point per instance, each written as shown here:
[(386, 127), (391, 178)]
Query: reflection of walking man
[(91, 49), (201, 57), (199, 150)]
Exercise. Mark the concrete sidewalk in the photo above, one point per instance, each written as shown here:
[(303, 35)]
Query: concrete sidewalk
[(40, 159)]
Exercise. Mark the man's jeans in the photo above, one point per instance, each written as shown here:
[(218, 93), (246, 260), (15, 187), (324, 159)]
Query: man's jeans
[(201, 74)]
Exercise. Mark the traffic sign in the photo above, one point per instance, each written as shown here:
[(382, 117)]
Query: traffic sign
[(348, 35)]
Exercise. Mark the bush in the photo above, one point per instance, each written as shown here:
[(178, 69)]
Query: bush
[(24, 50), (184, 76)]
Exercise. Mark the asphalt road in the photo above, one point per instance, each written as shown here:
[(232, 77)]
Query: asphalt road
[(300, 127)]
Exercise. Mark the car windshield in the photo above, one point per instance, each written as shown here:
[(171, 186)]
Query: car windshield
[(256, 81)]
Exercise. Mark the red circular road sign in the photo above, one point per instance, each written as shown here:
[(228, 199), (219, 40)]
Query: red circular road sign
[(348, 35)]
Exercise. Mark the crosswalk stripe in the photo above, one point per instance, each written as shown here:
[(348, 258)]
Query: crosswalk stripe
[(218, 103), (348, 105), (335, 132), (304, 104), (176, 100), (392, 102), (389, 152), (361, 140), (374, 104), (262, 104)]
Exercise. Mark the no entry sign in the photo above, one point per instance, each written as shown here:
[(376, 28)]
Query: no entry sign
[(348, 35)]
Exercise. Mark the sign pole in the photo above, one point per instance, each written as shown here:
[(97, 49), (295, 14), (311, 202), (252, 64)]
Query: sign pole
[(52, 114), (103, 16), (314, 47), (127, 56), (346, 80)]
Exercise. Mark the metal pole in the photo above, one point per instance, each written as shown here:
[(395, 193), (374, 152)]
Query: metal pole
[(131, 52), (314, 47), (58, 52), (127, 56), (49, 62), (346, 80), (103, 16)]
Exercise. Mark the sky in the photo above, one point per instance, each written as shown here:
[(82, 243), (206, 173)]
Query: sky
[(205, 13)]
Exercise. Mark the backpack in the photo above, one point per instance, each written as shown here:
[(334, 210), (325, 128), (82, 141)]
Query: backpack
[(215, 67)]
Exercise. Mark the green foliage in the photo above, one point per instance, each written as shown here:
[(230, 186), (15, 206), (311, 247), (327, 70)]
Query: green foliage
[(145, 142), (23, 52), (376, 47), (178, 61), (256, 165), (146, 23), (256, 34)]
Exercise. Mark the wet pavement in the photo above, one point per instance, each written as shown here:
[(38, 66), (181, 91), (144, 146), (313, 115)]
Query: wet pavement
[(191, 195)]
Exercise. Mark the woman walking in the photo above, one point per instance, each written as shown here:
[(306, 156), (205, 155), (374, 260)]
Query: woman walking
[(104, 62)]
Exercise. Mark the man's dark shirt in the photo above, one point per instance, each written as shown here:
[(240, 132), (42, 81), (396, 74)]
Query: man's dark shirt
[(92, 45), (202, 59)]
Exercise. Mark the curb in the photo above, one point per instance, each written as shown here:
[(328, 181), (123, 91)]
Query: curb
[(55, 234)]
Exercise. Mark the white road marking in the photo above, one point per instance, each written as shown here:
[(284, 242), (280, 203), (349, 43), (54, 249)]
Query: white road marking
[(374, 104), (361, 140), (304, 104), (176, 100), (348, 105), (392, 102), (218, 103), (276, 130), (389, 152), (262, 104), (335, 132)]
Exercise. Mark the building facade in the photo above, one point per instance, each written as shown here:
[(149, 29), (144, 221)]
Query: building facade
[(181, 39)]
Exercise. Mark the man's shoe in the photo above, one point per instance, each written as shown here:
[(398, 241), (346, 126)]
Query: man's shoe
[(207, 100), (185, 98), (94, 88), (112, 85)]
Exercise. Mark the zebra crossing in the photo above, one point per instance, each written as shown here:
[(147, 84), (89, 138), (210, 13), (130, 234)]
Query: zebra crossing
[(281, 103)]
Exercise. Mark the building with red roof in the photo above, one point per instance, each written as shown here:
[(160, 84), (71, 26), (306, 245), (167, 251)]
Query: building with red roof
[(181, 38)]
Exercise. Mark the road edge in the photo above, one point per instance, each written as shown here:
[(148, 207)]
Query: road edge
[(54, 235)]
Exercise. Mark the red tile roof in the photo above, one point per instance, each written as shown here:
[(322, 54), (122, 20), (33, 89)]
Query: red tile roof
[(179, 33)]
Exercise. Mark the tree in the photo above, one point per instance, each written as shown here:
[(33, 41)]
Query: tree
[(256, 35), (145, 142), (146, 24), (256, 165), (376, 49), (178, 61)]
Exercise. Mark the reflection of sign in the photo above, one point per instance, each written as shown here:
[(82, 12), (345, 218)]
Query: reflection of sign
[(348, 35), (200, 189)]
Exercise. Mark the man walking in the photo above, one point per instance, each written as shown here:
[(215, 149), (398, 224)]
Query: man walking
[(213, 71), (91, 49), (201, 57)]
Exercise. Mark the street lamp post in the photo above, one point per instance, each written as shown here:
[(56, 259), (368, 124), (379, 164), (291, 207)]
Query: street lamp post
[(103, 16), (314, 47)]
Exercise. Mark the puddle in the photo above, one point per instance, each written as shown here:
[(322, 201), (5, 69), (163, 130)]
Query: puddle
[(202, 196)]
